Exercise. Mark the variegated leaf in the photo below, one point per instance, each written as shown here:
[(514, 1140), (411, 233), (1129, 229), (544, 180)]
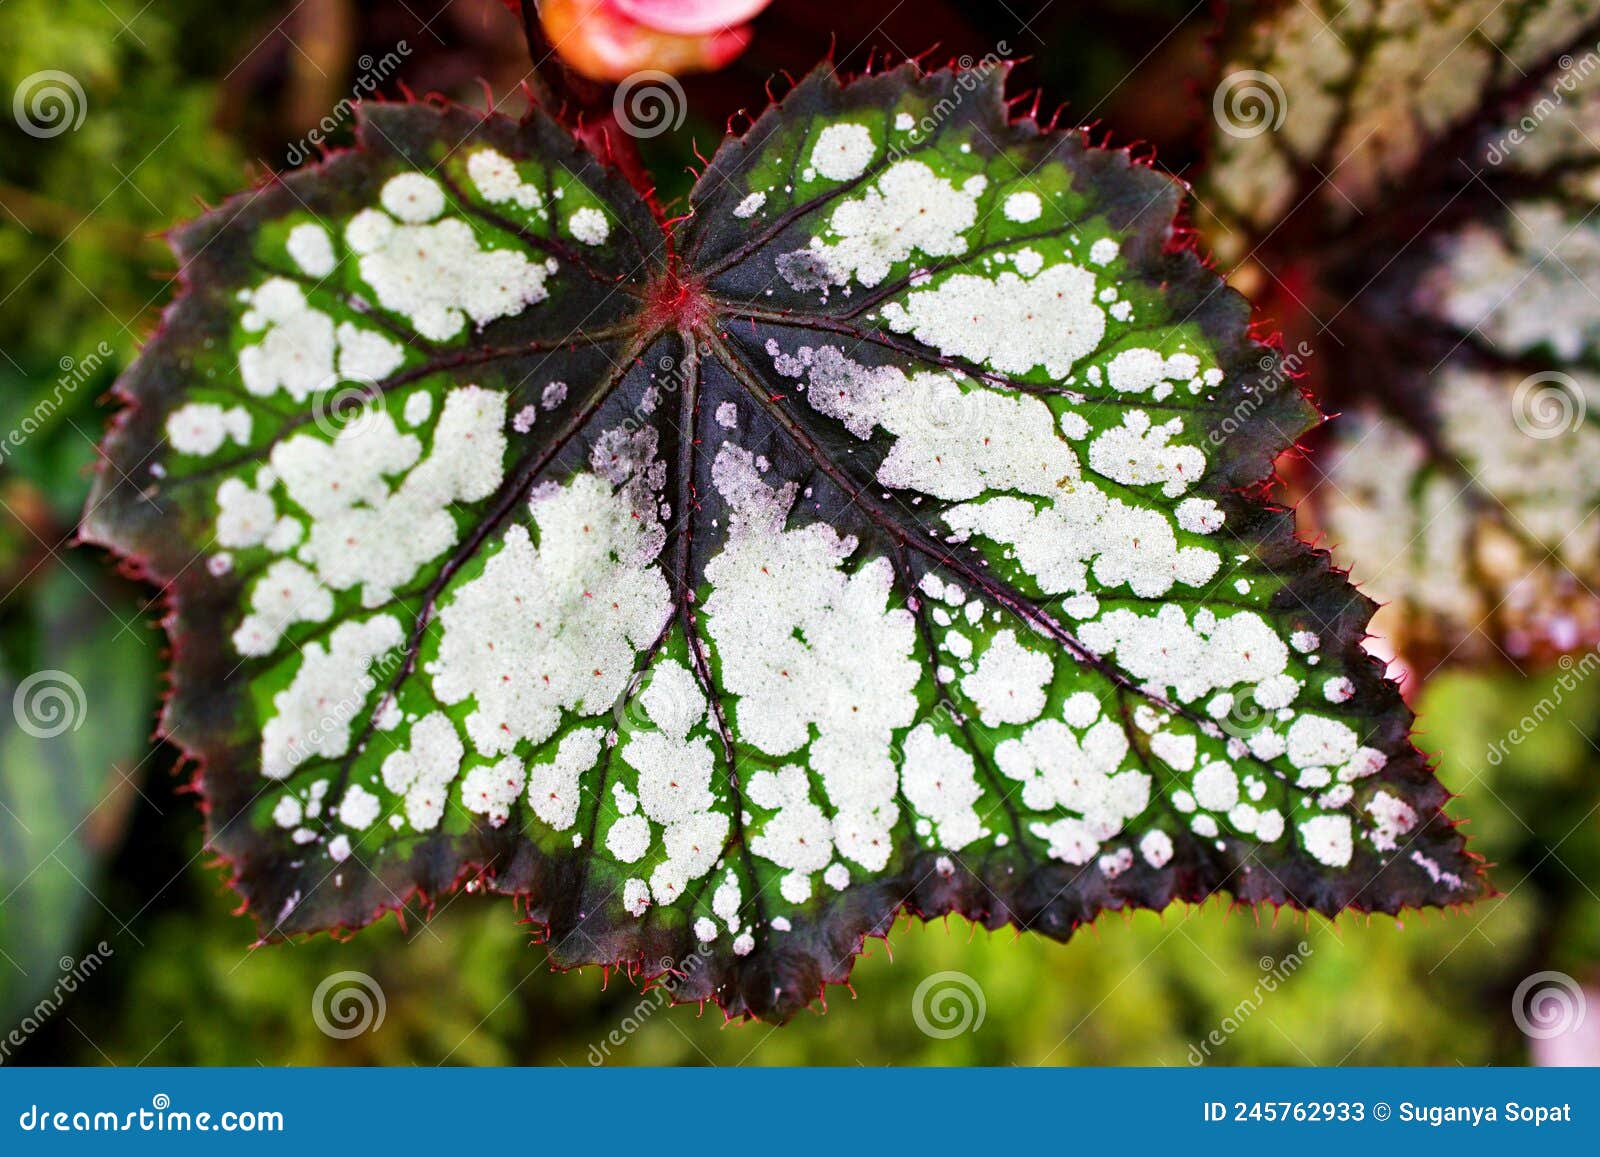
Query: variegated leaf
[(1412, 188), (886, 539)]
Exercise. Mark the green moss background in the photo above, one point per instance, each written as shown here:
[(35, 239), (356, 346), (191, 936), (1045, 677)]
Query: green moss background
[(99, 843)]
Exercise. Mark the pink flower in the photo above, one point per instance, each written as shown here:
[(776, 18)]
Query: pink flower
[(612, 39)]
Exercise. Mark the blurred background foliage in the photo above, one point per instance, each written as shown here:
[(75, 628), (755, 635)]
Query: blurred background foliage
[(188, 101)]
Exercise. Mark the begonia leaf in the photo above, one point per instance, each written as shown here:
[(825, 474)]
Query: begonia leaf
[(869, 540)]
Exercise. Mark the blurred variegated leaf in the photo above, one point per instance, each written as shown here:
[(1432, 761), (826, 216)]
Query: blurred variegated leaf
[(1411, 188), (78, 687), (883, 536)]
